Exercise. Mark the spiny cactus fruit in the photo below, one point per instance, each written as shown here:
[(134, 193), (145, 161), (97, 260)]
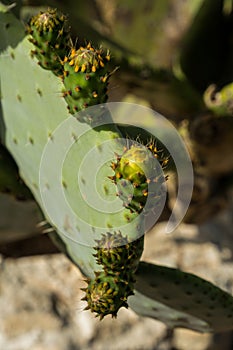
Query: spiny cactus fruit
[(116, 254), (138, 176), (110, 289), (106, 294), (49, 35), (86, 75)]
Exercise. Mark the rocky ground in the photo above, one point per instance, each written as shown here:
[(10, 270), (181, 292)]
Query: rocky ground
[(41, 307)]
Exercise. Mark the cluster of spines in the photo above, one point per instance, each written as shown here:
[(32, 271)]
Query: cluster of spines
[(85, 78), (49, 35), (110, 289), (138, 175)]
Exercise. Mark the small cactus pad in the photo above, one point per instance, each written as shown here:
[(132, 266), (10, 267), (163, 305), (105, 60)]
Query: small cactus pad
[(138, 176), (49, 36), (106, 294), (116, 254), (85, 78)]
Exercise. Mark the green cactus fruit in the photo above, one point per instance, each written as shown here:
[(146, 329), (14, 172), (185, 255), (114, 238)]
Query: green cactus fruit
[(138, 176), (110, 289), (50, 37), (85, 78), (116, 254), (106, 294)]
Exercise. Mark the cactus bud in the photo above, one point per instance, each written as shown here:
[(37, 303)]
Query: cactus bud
[(106, 294), (138, 176), (85, 79), (116, 254), (110, 289), (50, 37)]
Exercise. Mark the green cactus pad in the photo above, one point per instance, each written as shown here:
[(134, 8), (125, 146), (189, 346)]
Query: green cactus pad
[(106, 294), (32, 110), (35, 117), (49, 36), (116, 254), (181, 299), (86, 76), (138, 176)]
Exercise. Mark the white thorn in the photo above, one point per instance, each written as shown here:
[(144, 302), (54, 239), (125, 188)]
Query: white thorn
[(48, 230), (42, 223)]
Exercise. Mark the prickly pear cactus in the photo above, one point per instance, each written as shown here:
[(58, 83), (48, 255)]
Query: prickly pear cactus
[(35, 96), (38, 132)]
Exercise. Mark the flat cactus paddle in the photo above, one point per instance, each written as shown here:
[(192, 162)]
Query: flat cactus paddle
[(181, 299)]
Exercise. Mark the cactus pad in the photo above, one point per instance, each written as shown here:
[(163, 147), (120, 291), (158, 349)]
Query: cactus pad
[(181, 299)]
